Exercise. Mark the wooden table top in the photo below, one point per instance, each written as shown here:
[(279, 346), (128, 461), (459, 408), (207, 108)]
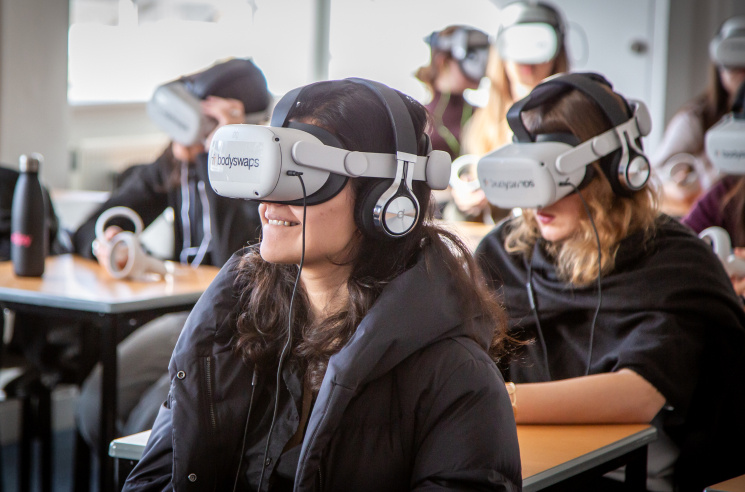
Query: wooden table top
[(544, 448), (73, 282), (733, 485), (546, 451)]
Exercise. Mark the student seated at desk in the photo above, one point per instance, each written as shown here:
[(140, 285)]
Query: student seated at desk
[(208, 229), (385, 382), (724, 204), (630, 316), (518, 61), (686, 171)]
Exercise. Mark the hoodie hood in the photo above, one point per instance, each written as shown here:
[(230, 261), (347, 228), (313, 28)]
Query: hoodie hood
[(416, 309)]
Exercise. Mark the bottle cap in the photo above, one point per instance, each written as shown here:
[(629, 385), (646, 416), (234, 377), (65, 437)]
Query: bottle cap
[(30, 163)]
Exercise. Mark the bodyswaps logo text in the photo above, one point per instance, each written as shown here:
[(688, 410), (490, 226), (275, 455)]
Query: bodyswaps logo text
[(232, 162)]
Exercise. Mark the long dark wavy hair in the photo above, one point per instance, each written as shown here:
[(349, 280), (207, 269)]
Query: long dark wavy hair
[(713, 103), (352, 113)]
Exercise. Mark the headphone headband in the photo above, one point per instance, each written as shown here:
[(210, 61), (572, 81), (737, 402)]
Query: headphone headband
[(524, 12), (403, 129), (558, 84), (458, 42)]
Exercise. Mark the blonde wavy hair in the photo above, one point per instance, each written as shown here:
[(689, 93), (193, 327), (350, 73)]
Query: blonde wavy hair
[(488, 129), (615, 217)]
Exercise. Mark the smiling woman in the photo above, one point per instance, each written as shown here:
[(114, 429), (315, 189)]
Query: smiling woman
[(337, 319)]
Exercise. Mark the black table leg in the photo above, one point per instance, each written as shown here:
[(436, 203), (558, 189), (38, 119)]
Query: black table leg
[(45, 437), (82, 479), (636, 470), (108, 402)]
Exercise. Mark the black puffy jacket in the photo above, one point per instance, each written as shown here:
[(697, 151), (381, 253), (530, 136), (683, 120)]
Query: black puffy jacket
[(411, 402)]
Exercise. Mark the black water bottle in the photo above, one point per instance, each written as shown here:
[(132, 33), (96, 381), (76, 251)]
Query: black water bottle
[(28, 229)]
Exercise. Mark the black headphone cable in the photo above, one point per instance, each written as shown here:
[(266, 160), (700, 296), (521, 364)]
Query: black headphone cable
[(531, 294), (599, 283), (288, 343)]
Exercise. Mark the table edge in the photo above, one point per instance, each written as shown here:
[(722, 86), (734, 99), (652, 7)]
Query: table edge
[(123, 448), (587, 461), (106, 307)]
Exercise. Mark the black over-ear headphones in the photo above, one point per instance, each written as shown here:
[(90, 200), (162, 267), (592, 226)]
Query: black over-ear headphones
[(389, 209), (627, 169)]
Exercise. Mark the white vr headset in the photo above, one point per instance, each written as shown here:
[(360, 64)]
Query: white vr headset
[(252, 162), (529, 33), (725, 141), (263, 162), (468, 46), (727, 48), (178, 112), (725, 144), (539, 170)]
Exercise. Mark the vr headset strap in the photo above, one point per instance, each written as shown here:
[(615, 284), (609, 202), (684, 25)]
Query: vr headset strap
[(283, 107)]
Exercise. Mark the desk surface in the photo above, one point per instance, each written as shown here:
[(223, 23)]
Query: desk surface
[(72, 282), (549, 453), (470, 232), (552, 453), (733, 485)]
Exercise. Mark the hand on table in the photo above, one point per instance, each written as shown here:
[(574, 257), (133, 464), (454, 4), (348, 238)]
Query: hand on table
[(470, 203), (102, 249)]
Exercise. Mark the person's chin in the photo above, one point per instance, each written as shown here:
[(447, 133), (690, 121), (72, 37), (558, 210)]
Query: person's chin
[(271, 254), (551, 233)]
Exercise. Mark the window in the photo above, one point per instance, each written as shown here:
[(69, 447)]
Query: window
[(120, 50)]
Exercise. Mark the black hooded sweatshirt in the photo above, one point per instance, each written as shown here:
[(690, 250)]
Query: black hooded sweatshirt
[(412, 401), (668, 313)]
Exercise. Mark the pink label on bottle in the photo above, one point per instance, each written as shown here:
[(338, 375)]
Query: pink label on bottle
[(20, 239)]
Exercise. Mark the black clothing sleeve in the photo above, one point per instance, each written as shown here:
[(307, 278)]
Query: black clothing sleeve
[(151, 188), (144, 191)]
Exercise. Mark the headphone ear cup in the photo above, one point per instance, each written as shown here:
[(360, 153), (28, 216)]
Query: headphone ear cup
[(365, 208), (610, 165), (637, 172)]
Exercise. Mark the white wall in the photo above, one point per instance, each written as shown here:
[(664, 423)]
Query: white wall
[(33, 84), (692, 25)]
